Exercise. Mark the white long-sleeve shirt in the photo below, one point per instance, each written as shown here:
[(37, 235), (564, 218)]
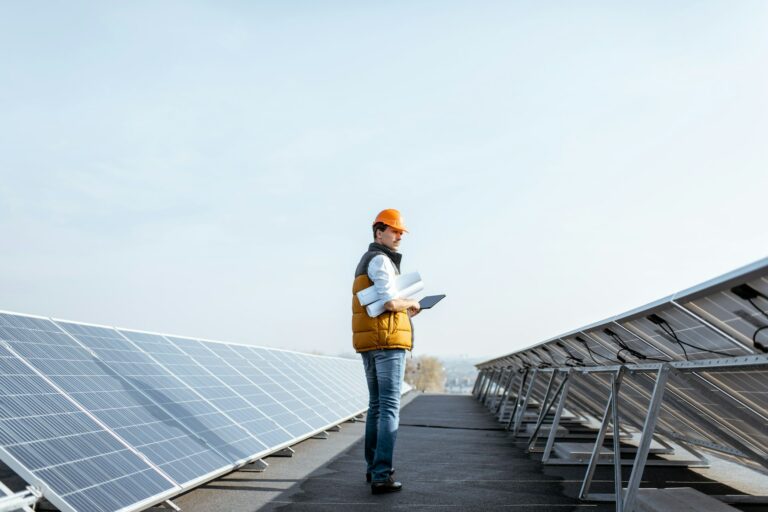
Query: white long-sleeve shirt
[(382, 272)]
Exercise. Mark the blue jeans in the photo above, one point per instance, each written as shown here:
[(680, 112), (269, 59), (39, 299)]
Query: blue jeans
[(384, 371)]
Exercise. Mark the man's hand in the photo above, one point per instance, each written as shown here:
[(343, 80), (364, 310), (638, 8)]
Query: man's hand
[(412, 306)]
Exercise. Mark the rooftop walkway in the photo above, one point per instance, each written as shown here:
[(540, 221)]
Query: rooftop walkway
[(451, 455)]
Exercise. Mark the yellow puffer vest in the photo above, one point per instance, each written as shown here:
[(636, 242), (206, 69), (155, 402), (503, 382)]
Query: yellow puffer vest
[(388, 330)]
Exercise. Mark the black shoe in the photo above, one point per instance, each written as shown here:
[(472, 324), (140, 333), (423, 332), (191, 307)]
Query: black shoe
[(368, 475), (388, 485)]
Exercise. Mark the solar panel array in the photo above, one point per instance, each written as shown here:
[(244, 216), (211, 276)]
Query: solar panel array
[(105, 419), (691, 368)]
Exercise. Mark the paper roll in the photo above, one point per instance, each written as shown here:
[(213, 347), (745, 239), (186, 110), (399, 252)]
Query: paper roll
[(403, 281), (377, 308)]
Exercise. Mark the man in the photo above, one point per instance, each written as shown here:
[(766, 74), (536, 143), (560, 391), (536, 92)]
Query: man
[(382, 342)]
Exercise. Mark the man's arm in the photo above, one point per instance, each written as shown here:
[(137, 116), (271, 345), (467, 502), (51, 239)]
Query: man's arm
[(382, 273), (398, 305)]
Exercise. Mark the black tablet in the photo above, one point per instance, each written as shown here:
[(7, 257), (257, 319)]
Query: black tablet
[(431, 300)]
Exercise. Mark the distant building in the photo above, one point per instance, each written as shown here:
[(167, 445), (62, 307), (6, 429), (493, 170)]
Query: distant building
[(460, 375)]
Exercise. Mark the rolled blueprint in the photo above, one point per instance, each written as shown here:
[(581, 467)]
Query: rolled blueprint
[(402, 281), (376, 308)]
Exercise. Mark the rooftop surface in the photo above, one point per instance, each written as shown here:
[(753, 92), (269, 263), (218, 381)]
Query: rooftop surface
[(451, 454)]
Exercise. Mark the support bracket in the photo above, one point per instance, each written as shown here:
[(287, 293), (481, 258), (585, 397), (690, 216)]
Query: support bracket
[(285, 452), (172, 505), (259, 465)]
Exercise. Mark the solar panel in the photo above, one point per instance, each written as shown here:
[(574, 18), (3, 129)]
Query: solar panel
[(260, 390), (114, 419), (197, 399), (683, 416), (123, 402), (52, 442), (352, 391), (341, 379), (250, 416), (742, 318), (625, 346), (307, 375), (282, 387), (734, 402), (675, 417), (586, 398), (682, 335), (688, 367), (351, 379), (751, 387)]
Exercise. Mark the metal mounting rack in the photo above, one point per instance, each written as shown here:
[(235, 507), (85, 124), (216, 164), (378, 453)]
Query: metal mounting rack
[(685, 373)]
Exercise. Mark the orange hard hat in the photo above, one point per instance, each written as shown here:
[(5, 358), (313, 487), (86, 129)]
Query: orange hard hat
[(391, 218)]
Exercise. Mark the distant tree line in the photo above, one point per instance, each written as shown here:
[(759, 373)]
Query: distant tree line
[(425, 373)]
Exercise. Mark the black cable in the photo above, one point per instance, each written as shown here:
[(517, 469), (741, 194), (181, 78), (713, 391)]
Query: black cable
[(671, 332), (746, 292), (621, 343), (543, 363), (588, 350), (565, 362), (761, 310), (591, 355), (570, 357), (685, 352), (756, 343), (586, 344), (552, 359), (577, 362), (526, 363)]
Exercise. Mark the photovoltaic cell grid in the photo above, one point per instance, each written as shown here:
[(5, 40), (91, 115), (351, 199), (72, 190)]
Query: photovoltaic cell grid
[(591, 393), (705, 322), (281, 386), (750, 387), (735, 315), (330, 385), (319, 396), (578, 353), (702, 412), (711, 405), (127, 415), (244, 411), (750, 391), (259, 389), (681, 410), (697, 413), (52, 442), (675, 416), (353, 395), (125, 405), (684, 336), (618, 342), (196, 390), (588, 395)]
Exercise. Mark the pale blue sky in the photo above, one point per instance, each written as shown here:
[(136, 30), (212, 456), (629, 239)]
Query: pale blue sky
[(212, 168)]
